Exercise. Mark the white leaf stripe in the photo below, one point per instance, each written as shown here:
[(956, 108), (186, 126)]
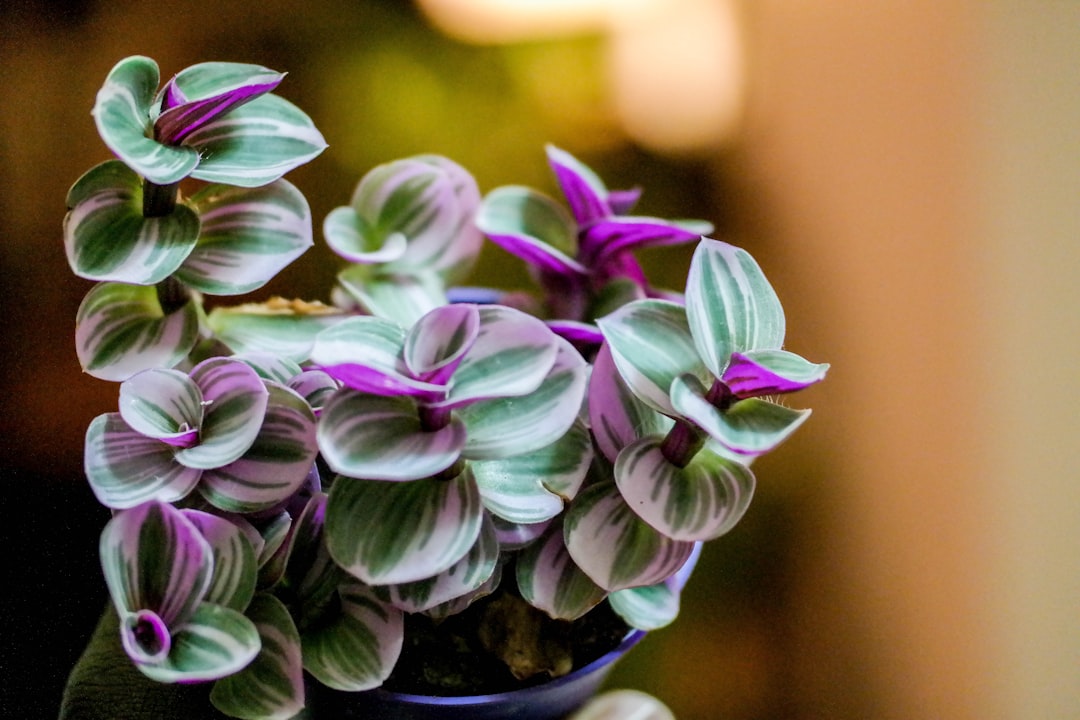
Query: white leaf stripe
[(217, 642)]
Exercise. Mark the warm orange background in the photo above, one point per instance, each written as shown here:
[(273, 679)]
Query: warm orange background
[(906, 172)]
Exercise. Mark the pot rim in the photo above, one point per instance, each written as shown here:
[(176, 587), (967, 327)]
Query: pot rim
[(629, 640)]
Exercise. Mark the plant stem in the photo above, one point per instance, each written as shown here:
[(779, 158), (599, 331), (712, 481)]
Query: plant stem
[(682, 443), (684, 440), (159, 200), (172, 295), (434, 418)]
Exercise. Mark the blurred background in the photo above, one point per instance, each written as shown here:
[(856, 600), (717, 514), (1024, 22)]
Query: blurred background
[(907, 173)]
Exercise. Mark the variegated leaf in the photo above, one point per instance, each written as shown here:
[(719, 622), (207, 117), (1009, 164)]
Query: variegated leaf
[(511, 356), (365, 353), (279, 327), (358, 649), (531, 226), (647, 608), (700, 501), (270, 366), (462, 578), (217, 641), (616, 548), (352, 237), (126, 468), (122, 115), (550, 580), (316, 387), (730, 306), (381, 438), (402, 297), (651, 345), (749, 427), (256, 143), (154, 558), (387, 533), (438, 342), (233, 580), (107, 238), (503, 427), (582, 187), (770, 372), (462, 602), (121, 330), (272, 686), (276, 464), (617, 416), (162, 404), (532, 487), (235, 399), (200, 93), (431, 201), (247, 236)]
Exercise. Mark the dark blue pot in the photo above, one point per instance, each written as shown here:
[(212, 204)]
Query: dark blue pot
[(551, 701)]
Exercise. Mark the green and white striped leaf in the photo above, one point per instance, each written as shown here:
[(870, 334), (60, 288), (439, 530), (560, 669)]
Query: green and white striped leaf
[(276, 464), (272, 686), (647, 608), (730, 305), (532, 487), (651, 345), (462, 602), (365, 353), (247, 236), (273, 555), (532, 226), (701, 501), (217, 641), (431, 201), (616, 548), (770, 372), (352, 237), (107, 238), (122, 115), (256, 143), (550, 580), (154, 558), (233, 581), (359, 648), (462, 578), (126, 468), (617, 416), (381, 438), (121, 330), (503, 427), (235, 399), (269, 366), (163, 404), (749, 427), (437, 343), (388, 533), (401, 297), (279, 327), (512, 354)]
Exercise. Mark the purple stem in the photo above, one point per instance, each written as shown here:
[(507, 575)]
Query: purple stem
[(684, 440)]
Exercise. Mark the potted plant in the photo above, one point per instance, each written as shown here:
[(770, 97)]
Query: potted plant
[(313, 500)]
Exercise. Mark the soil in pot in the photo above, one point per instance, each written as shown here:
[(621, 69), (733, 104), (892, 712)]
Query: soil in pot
[(500, 643)]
